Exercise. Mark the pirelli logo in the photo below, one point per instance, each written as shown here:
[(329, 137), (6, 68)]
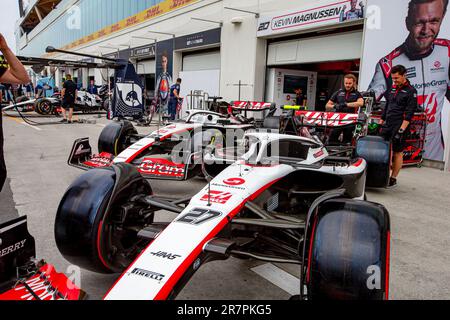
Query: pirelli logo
[(148, 274)]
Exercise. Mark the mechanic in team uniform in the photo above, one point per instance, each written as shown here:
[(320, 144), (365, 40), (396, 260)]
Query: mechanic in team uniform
[(397, 115), (69, 96), (12, 72), (174, 98), (347, 100)]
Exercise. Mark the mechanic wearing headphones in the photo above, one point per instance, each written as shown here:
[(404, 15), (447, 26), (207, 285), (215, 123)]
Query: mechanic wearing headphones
[(400, 107), (13, 72), (347, 100)]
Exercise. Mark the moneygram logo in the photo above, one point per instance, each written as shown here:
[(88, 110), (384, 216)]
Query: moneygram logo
[(434, 83), (234, 181)]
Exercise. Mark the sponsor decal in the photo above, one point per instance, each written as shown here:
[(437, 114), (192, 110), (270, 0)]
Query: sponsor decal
[(434, 83), (264, 26), (155, 11), (329, 119), (430, 104), (227, 186), (82, 150), (220, 197), (161, 167), (234, 181), (165, 255), (199, 216), (437, 64), (47, 284), (104, 159), (251, 105), (13, 248), (148, 274), (318, 154)]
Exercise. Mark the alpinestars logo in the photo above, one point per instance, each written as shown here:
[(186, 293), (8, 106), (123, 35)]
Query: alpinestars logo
[(219, 197), (148, 274)]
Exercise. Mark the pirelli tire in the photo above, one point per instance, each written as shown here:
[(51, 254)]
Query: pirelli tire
[(43, 107), (115, 137), (377, 153), (349, 249), (91, 230)]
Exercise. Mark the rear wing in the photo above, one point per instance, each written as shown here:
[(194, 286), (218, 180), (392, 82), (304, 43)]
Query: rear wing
[(252, 106), (327, 119)]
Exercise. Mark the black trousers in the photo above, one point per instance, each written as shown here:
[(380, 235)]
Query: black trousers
[(2, 157)]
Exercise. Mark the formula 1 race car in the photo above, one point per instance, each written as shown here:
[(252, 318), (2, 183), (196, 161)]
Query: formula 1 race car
[(151, 154), (285, 200)]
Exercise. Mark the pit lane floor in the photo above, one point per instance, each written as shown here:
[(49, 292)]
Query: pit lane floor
[(38, 177)]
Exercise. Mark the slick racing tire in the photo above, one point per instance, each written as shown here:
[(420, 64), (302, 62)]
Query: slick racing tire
[(97, 223), (377, 153), (114, 138), (349, 253), (43, 107)]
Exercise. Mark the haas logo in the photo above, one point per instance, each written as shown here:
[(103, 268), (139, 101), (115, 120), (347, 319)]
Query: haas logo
[(430, 104)]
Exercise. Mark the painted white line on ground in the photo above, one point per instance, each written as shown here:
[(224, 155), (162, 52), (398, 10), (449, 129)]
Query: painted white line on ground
[(278, 277), (100, 125), (33, 127)]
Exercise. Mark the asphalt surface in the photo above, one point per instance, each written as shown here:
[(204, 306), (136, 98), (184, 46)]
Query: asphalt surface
[(39, 175)]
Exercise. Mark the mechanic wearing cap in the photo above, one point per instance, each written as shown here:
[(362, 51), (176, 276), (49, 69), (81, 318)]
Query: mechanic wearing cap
[(401, 103), (347, 100), (69, 96), (12, 72)]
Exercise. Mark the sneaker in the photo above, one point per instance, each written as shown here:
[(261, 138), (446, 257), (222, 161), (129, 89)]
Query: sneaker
[(392, 183), (63, 121)]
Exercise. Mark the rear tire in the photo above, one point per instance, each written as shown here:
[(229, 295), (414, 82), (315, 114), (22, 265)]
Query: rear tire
[(44, 107), (377, 153), (349, 252), (114, 138)]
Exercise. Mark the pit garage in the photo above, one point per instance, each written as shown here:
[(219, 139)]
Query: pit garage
[(314, 62)]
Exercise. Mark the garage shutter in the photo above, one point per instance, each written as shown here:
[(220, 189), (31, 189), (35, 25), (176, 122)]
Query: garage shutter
[(202, 61), (338, 47), (146, 67)]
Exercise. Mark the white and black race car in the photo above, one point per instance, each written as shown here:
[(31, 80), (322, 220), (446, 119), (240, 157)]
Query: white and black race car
[(285, 200)]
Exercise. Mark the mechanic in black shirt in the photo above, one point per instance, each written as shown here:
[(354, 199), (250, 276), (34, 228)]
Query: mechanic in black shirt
[(400, 107), (69, 96), (12, 72), (300, 98), (347, 100)]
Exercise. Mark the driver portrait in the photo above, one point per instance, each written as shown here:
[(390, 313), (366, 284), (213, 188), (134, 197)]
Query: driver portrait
[(353, 13), (164, 83), (426, 58)]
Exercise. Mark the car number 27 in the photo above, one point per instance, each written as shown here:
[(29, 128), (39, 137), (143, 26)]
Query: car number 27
[(198, 216)]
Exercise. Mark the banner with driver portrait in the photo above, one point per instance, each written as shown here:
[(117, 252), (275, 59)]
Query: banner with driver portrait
[(413, 33)]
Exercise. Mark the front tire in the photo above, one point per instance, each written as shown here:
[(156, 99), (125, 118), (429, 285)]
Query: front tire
[(91, 230), (114, 138), (349, 253)]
